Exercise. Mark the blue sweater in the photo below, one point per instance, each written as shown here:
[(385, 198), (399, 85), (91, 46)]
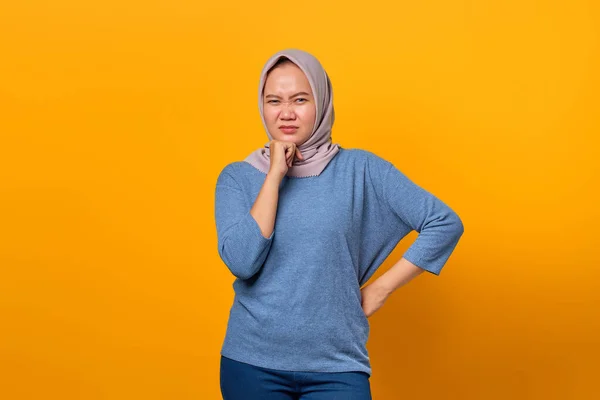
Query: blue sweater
[(297, 304)]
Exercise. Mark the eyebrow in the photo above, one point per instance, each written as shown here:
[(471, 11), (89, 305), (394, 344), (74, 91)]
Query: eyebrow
[(297, 94)]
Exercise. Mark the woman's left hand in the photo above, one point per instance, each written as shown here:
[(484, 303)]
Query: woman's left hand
[(373, 297)]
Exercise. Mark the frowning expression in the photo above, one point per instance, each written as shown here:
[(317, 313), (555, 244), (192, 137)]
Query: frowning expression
[(289, 107)]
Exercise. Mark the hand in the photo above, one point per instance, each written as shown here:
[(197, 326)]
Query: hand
[(373, 297), (282, 156)]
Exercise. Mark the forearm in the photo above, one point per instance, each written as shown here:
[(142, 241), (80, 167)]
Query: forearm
[(400, 274), (264, 209)]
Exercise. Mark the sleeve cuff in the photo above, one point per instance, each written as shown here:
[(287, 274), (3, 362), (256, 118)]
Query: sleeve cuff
[(414, 257), (251, 226)]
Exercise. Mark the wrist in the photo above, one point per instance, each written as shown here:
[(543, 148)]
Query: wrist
[(383, 287), (274, 177)]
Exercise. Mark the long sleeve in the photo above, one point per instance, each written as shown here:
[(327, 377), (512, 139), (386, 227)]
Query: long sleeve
[(242, 247), (439, 227)]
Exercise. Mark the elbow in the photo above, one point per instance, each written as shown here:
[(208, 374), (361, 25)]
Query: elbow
[(242, 274), (243, 260), (243, 248), (240, 268), (458, 227)]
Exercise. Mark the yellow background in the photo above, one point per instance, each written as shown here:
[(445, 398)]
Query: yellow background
[(117, 116)]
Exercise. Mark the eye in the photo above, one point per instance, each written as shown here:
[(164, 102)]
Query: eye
[(301, 98), (271, 101)]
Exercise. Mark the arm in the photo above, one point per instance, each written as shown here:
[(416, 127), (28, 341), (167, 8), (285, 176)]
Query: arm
[(375, 294), (439, 227), (244, 233), (400, 274), (264, 209)]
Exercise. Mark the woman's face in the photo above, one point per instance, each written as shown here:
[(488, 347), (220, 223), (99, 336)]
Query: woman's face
[(288, 101)]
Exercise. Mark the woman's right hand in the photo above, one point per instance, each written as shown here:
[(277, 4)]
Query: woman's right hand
[(282, 156)]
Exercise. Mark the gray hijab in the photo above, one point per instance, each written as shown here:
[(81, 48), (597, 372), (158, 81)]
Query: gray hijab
[(318, 149)]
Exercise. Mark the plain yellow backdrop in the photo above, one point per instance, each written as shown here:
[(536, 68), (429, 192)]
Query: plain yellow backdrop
[(117, 116)]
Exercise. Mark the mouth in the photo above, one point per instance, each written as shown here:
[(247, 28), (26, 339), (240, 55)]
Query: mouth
[(288, 128)]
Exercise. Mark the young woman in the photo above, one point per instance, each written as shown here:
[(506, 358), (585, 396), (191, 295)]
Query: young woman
[(302, 224)]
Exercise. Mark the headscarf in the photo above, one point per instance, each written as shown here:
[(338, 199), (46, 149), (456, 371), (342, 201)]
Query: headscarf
[(318, 149)]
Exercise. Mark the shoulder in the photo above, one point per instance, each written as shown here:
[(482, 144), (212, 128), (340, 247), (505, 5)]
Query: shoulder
[(372, 162), (240, 174), (230, 174)]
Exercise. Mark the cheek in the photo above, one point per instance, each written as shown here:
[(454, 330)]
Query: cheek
[(269, 115), (307, 115)]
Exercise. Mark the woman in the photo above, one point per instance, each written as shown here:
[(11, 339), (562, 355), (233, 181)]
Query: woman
[(302, 224)]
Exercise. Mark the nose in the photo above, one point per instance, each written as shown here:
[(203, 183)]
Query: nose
[(287, 112)]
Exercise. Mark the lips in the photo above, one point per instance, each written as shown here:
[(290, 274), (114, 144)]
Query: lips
[(288, 128)]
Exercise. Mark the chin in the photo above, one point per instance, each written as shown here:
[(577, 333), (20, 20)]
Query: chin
[(296, 138)]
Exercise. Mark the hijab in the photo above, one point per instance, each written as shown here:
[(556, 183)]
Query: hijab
[(318, 149)]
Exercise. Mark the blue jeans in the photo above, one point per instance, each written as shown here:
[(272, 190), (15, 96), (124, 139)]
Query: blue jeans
[(241, 381)]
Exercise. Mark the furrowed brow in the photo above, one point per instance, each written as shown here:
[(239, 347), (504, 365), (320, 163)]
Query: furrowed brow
[(295, 95)]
